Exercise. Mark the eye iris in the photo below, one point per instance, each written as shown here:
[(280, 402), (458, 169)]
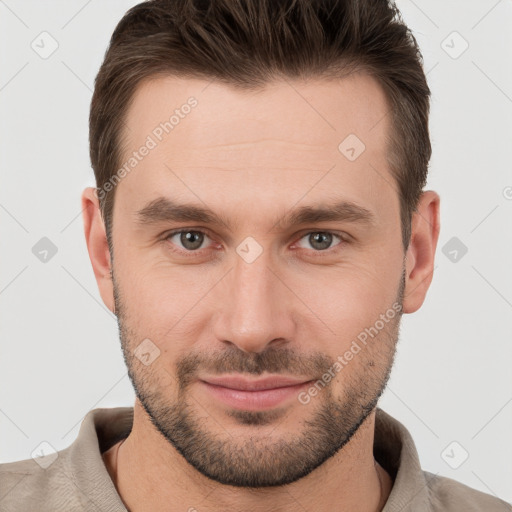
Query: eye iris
[(325, 240), (192, 237)]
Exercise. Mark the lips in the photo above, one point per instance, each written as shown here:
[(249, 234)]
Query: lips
[(253, 394), (235, 382)]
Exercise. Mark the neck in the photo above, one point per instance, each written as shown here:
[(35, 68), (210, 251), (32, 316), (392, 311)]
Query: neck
[(149, 474)]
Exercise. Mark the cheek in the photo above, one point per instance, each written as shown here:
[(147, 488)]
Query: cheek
[(348, 301), (161, 302), (147, 282)]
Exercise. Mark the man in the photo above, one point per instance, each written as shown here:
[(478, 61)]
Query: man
[(259, 226)]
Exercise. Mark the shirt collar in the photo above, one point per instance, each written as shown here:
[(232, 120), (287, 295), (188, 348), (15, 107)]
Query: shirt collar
[(395, 451)]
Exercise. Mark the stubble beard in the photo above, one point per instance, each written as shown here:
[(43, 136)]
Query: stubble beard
[(255, 459)]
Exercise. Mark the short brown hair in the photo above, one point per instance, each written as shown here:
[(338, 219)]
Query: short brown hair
[(247, 43)]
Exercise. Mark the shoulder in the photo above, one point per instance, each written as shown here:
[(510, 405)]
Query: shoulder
[(448, 495), (46, 485), (72, 479)]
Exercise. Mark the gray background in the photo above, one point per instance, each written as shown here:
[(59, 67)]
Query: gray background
[(60, 355)]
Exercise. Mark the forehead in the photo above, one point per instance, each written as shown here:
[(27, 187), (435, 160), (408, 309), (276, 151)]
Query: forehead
[(318, 111), (288, 136)]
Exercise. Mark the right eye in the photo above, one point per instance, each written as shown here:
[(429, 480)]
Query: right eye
[(191, 240)]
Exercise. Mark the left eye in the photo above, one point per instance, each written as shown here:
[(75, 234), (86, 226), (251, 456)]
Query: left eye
[(320, 240)]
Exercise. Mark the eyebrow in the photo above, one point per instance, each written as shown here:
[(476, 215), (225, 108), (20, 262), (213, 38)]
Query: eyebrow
[(164, 209)]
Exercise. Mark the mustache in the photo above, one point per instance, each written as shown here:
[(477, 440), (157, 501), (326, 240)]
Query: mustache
[(234, 360)]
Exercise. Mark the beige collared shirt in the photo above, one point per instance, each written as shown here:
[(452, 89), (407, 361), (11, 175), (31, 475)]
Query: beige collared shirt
[(77, 479)]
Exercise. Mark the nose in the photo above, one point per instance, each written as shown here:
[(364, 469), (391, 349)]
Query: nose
[(255, 307)]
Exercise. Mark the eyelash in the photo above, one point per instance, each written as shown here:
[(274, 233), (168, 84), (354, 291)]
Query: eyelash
[(342, 237)]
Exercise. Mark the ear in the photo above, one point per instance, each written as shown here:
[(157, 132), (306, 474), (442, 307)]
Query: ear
[(420, 254), (97, 245)]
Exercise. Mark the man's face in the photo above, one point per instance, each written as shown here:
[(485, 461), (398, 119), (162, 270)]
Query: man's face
[(253, 294)]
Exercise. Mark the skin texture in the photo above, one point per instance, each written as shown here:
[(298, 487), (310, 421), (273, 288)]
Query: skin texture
[(252, 157)]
